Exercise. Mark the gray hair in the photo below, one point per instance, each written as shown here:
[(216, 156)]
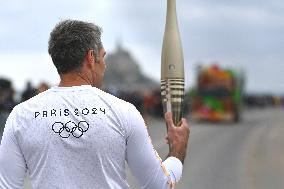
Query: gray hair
[(69, 42)]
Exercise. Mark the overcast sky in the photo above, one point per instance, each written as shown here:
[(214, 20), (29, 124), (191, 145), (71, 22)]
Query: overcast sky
[(241, 34)]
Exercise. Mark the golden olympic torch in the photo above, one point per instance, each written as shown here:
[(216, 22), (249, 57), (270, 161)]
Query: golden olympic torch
[(172, 66)]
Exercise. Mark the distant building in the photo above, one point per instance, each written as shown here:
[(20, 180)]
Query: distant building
[(123, 73)]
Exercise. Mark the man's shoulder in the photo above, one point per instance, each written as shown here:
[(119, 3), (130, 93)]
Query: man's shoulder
[(33, 101), (114, 100)]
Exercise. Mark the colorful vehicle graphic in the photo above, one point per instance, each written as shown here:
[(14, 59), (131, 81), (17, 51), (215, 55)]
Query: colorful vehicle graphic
[(218, 94)]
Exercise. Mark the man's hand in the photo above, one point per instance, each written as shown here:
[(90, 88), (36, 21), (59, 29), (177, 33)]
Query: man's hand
[(177, 137)]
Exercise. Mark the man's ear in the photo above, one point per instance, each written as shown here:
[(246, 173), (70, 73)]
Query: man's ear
[(91, 56)]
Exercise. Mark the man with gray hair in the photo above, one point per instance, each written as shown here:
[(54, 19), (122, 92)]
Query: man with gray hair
[(76, 136)]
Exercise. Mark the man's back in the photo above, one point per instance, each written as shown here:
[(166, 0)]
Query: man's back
[(73, 137)]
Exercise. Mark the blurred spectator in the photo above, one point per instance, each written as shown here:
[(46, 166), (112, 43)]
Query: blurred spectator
[(29, 92), (262, 100), (158, 107), (42, 87), (146, 101), (135, 98), (7, 102), (149, 103)]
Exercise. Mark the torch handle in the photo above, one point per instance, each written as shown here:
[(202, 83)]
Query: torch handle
[(172, 93)]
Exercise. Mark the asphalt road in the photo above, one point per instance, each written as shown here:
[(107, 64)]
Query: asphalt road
[(248, 155)]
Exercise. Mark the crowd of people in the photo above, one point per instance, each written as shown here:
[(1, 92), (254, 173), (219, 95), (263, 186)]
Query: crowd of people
[(8, 96), (147, 102), (263, 100)]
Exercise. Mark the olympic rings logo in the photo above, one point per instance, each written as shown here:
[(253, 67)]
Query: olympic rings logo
[(70, 128)]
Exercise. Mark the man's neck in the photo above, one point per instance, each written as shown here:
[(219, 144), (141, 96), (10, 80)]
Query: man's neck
[(73, 79)]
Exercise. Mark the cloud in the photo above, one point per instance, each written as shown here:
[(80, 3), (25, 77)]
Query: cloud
[(252, 16), (25, 25), (25, 67)]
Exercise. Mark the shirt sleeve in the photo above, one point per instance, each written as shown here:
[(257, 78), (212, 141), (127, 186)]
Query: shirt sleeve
[(144, 162), (12, 163)]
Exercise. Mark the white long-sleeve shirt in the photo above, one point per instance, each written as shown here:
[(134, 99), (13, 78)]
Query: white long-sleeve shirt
[(80, 137)]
